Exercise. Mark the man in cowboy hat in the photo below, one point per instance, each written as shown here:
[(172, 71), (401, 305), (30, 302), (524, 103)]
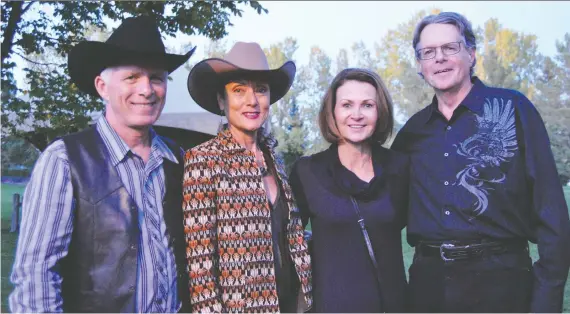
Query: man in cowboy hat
[(246, 251), (102, 227)]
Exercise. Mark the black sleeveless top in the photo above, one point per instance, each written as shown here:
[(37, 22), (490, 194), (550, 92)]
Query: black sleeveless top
[(287, 285)]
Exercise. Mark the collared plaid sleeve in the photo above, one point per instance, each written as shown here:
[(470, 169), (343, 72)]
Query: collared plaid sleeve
[(45, 233)]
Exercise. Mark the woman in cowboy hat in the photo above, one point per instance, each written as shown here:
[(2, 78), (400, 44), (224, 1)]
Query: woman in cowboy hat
[(245, 245)]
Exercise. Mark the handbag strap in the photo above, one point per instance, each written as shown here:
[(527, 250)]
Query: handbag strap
[(368, 244)]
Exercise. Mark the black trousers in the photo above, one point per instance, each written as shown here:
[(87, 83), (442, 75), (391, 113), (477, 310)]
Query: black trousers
[(493, 283)]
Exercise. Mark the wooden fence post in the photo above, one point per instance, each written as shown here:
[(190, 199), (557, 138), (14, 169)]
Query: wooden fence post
[(16, 204)]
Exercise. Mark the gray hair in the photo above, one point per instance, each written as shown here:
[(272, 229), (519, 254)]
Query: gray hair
[(106, 74), (456, 19)]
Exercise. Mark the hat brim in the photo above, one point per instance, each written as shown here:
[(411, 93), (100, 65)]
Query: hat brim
[(87, 59), (207, 76)]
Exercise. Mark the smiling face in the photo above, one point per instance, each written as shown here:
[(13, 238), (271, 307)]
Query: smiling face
[(246, 105), (134, 95), (445, 72), (356, 111)]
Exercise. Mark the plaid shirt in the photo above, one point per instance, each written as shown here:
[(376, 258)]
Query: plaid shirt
[(47, 225)]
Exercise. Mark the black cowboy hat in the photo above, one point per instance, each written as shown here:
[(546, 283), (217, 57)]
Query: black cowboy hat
[(136, 41), (242, 61)]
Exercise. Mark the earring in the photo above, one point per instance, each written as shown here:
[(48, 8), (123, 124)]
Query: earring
[(221, 125)]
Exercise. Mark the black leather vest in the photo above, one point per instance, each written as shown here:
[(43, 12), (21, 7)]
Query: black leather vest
[(100, 271)]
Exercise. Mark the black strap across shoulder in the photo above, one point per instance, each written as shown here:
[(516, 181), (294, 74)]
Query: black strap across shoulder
[(369, 247)]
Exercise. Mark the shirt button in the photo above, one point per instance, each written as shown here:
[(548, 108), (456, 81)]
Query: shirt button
[(155, 237), (446, 154), (447, 212), (446, 183), (449, 127), (133, 247), (132, 288)]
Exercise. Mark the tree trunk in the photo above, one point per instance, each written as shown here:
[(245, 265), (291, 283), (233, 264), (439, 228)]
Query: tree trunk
[(15, 17)]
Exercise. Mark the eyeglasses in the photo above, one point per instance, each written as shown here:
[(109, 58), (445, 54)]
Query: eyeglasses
[(447, 49)]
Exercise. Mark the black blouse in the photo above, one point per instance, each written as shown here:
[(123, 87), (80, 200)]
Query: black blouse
[(344, 279)]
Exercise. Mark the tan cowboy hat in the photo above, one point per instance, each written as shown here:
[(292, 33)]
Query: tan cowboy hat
[(136, 41), (243, 60)]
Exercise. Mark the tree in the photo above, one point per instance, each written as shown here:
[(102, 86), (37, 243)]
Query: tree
[(53, 112), (212, 49), (286, 120), (553, 102), (508, 59), (363, 56), (18, 157), (397, 67), (52, 104), (317, 77), (341, 60)]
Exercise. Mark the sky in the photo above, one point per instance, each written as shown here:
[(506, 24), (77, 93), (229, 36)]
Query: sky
[(334, 25), (338, 24)]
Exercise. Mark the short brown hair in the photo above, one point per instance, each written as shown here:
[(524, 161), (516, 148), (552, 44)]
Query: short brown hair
[(385, 122)]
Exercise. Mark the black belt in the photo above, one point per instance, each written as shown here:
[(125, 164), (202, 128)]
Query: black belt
[(454, 250)]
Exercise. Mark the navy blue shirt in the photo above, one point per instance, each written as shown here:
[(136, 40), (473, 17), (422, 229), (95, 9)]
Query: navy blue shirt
[(488, 172), (344, 279)]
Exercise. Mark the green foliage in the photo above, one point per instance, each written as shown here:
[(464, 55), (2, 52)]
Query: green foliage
[(505, 58), (317, 77), (213, 49), (208, 18), (510, 59), (398, 69), (18, 157), (362, 56), (52, 104), (341, 60), (287, 125), (553, 102)]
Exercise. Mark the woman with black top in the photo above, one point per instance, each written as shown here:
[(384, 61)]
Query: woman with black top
[(355, 196)]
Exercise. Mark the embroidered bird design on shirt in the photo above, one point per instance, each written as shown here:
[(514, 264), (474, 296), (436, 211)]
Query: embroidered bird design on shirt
[(493, 144)]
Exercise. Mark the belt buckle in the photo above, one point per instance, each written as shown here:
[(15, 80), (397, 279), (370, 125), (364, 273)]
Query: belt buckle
[(444, 246)]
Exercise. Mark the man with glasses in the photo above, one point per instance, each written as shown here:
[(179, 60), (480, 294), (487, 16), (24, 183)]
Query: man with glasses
[(483, 184)]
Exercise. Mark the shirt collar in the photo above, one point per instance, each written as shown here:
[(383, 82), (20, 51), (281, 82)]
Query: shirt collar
[(472, 101), (159, 148), (118, 149)]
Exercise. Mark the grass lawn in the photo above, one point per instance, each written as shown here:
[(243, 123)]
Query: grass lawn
[(8, 240), (9, 244)]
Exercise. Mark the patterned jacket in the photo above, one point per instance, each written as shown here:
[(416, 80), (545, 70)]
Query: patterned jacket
[(228, 229)]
